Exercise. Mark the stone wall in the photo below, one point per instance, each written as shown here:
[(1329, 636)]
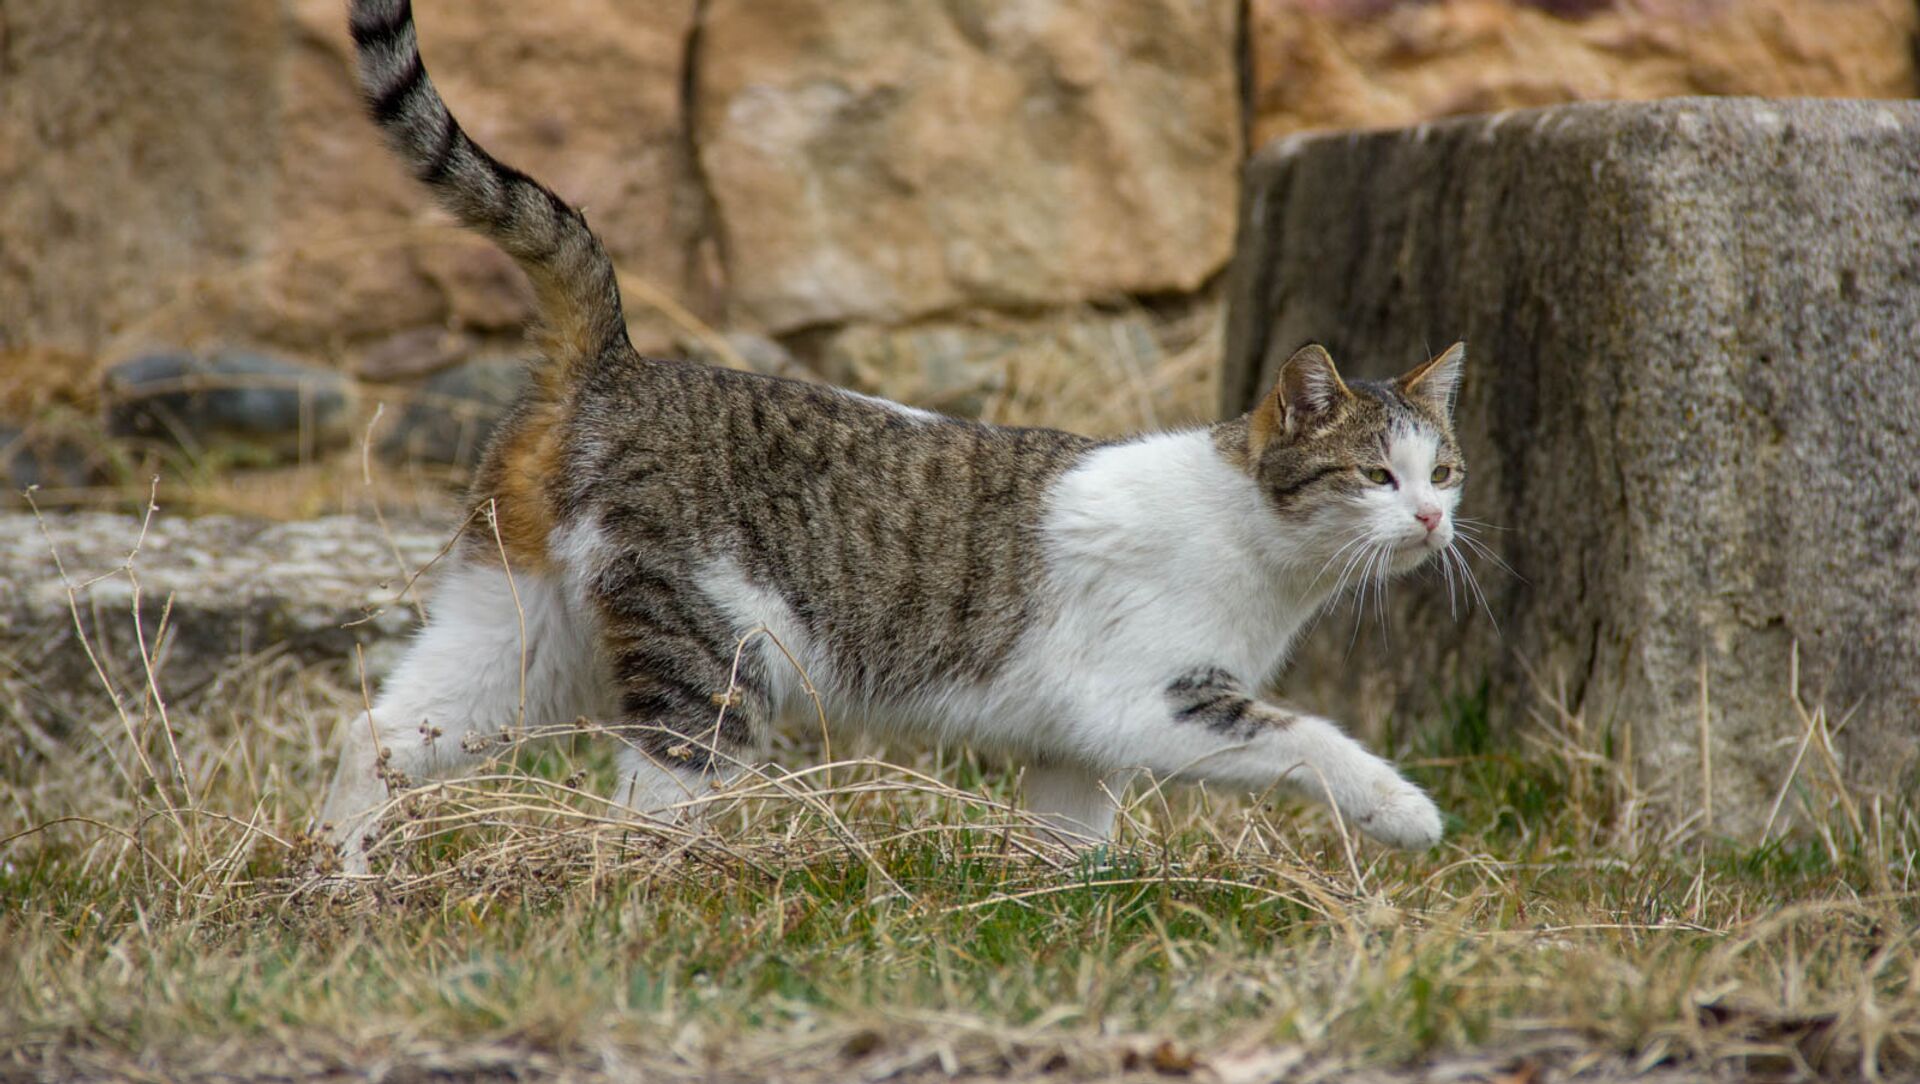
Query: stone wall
[(1380, 63), (1690, 409), (195, 177)]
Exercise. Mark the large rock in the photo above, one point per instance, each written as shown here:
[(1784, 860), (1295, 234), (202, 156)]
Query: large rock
[(586, 96), (254, 406), (448, 418), (238, 588), (1371, 63), (870, 159), (1692, 401), (129, 158), (204, 173), (967, 368)]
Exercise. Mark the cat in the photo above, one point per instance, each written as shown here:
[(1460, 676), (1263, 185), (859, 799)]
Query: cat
[(644, 532)]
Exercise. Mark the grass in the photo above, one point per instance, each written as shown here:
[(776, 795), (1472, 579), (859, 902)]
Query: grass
[(895, 916), (160, 905)]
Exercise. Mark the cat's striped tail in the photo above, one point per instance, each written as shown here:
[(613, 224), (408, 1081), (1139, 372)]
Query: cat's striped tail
[(578, 295)]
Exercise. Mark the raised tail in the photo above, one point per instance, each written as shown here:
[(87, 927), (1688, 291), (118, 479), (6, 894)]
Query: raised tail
[(578, 294)]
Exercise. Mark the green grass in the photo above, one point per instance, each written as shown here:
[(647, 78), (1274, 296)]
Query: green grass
[(909, 918)]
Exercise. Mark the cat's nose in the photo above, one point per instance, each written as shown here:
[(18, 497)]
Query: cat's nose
[(1429, 518)]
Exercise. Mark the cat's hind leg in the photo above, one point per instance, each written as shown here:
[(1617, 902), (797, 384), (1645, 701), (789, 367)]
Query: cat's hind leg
[(486, 661), (1076, 804), (1206, 727), (694, 705)]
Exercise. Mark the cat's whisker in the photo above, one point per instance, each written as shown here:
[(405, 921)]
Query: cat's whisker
[(1357, 540), (1369, 579), (1340, 585), (1483, 550), (1346, 570), (1473, 583), (1446, 572), (1385, 579), (1356, 566), (1479, 524), (1359, 595), (1470, 588)]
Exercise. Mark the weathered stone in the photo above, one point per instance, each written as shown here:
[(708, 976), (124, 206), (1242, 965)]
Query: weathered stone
[(412, 354), (196, 173), (584, 95), (259, 404), (883, 161), (1373, 63), (237, 588), (957, 368), (1692, 402), (448, 419), (37, 456), (746, 349), (128, 157)]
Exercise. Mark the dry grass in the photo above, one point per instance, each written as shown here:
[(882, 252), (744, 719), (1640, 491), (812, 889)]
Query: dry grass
[(895, 916)]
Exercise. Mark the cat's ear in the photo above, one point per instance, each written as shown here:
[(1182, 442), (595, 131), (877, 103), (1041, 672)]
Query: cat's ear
[(1436, 380), (1309, 388)]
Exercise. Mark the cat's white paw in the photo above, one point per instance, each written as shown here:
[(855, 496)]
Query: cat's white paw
[(1401, 816)]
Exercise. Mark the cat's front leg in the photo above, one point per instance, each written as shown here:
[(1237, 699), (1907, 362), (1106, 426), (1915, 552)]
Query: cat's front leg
[(1210, 729)]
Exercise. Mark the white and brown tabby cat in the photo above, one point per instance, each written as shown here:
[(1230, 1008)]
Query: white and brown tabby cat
[(1089, 609)]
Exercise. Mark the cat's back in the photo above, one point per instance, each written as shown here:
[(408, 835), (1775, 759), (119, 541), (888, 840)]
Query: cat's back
[(907, 541)]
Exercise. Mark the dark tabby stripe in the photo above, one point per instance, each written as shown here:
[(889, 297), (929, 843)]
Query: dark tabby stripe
[(1213, 698), (1293, 486)]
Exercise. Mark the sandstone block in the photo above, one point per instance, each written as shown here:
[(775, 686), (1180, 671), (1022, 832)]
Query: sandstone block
[(872, 160), (1692, 402), (205, 172), (960, 368), (1371, 63), (128, 158)]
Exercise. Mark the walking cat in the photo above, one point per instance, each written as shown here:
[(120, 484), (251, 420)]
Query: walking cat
[(1087, 608)]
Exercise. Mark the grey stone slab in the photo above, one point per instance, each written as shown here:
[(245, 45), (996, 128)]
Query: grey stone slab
[(231, 589), (1692, 402)]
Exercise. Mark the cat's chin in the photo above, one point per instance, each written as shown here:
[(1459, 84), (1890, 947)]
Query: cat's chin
[(1411, 555)]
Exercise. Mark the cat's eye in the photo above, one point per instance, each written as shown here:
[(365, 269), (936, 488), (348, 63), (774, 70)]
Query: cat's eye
[(1379, 476), (1441, 473)]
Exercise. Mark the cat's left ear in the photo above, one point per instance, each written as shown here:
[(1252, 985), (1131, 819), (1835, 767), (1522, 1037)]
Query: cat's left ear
[(1307, 392), (1436, 380)]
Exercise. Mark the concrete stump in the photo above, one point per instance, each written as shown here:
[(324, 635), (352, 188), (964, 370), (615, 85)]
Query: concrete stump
[(1692, 402)]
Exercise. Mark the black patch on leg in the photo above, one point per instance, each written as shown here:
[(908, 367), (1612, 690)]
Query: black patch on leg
[(1213, 698)]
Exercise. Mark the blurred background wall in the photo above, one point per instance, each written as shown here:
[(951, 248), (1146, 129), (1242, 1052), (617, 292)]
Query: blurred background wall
[(1019, 210)]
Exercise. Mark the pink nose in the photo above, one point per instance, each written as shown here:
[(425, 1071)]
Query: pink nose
[(1429, 518)]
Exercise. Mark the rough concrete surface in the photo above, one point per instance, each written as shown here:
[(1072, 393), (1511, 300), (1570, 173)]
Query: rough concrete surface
[(1692, 402), (232, 590)]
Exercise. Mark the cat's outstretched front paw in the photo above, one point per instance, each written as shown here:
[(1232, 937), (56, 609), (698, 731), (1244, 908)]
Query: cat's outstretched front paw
[(1401, 815)]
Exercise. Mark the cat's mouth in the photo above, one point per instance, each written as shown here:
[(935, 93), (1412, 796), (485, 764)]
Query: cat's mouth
[(1412, 551)]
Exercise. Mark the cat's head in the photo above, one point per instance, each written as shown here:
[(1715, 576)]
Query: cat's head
[(1363, 474)]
